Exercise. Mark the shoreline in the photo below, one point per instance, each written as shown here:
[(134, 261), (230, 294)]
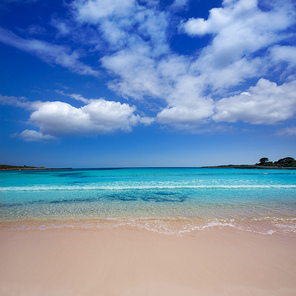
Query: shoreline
[(171, 226), (34, 169), (247, 166), (122, 168), (130, 262)]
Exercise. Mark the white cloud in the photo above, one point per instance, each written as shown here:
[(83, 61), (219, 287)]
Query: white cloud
[(265, 103), (240, 29), (288, 131), (57, 119), (76, 97), (62, 27), (152, 26), (50, 53), (135, 36), (240, 18), (144, 120), (186, 115), (167, 79), (114, 34), (179, 3), (34, 136), (284, 54), (96, 117), (15, 101), (219, 77), (125, 23), (93, 10), (137, 72), (186, 105)]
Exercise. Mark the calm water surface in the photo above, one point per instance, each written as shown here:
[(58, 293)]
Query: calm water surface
[(169, 200)]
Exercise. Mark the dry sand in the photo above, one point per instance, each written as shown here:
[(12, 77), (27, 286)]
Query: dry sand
[(131, 262)]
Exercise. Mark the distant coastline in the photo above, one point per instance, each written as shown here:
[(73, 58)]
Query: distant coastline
[(286, 163), (246, 166), (4, 167)]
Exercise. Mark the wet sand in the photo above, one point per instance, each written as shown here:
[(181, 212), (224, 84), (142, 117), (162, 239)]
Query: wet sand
[(128, 261)]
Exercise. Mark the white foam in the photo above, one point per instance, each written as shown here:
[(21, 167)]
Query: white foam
[(134, 187), (164, 226)]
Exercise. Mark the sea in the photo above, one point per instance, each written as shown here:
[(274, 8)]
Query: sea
[(172, 201)]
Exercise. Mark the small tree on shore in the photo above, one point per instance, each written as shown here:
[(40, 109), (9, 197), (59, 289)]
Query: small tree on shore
[(286, 162), (263, 160)]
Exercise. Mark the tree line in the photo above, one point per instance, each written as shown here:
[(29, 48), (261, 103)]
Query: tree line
[(283, 162)]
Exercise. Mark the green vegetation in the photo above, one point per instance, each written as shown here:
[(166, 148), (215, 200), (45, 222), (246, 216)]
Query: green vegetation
[(264, 163), (5, 167), (14, 167), (282, 163)]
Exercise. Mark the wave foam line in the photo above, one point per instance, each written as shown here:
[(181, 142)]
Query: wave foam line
[(154, 225), (68, 188)]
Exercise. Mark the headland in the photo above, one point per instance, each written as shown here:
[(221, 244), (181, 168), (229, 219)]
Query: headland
[(4, 167)]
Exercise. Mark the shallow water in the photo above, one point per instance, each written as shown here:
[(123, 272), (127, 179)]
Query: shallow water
[(168, 200)]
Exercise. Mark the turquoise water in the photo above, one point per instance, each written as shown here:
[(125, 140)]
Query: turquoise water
[(160, 199)]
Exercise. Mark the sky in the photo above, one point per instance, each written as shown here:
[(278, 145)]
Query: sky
[(128, 83)]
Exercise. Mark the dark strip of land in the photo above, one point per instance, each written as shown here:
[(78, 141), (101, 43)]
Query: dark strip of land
[(4, 167), (286, 163), (246, 166)]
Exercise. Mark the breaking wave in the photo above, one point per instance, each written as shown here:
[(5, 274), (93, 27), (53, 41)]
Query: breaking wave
[(135, 187), (167, 226)]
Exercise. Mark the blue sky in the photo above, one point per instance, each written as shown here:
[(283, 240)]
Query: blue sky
[(99, 83)]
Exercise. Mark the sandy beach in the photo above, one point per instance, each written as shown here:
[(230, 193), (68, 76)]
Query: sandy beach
[(128, 261)]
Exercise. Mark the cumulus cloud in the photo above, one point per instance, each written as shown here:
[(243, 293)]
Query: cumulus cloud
[(125, 24), (239, 29), (56, 119), (34, 136), (96, 117), (265, 103), (187, 106), (137, 72), (131, 40), (240, 18), (139, 43), (184, 116), (50, 53)]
